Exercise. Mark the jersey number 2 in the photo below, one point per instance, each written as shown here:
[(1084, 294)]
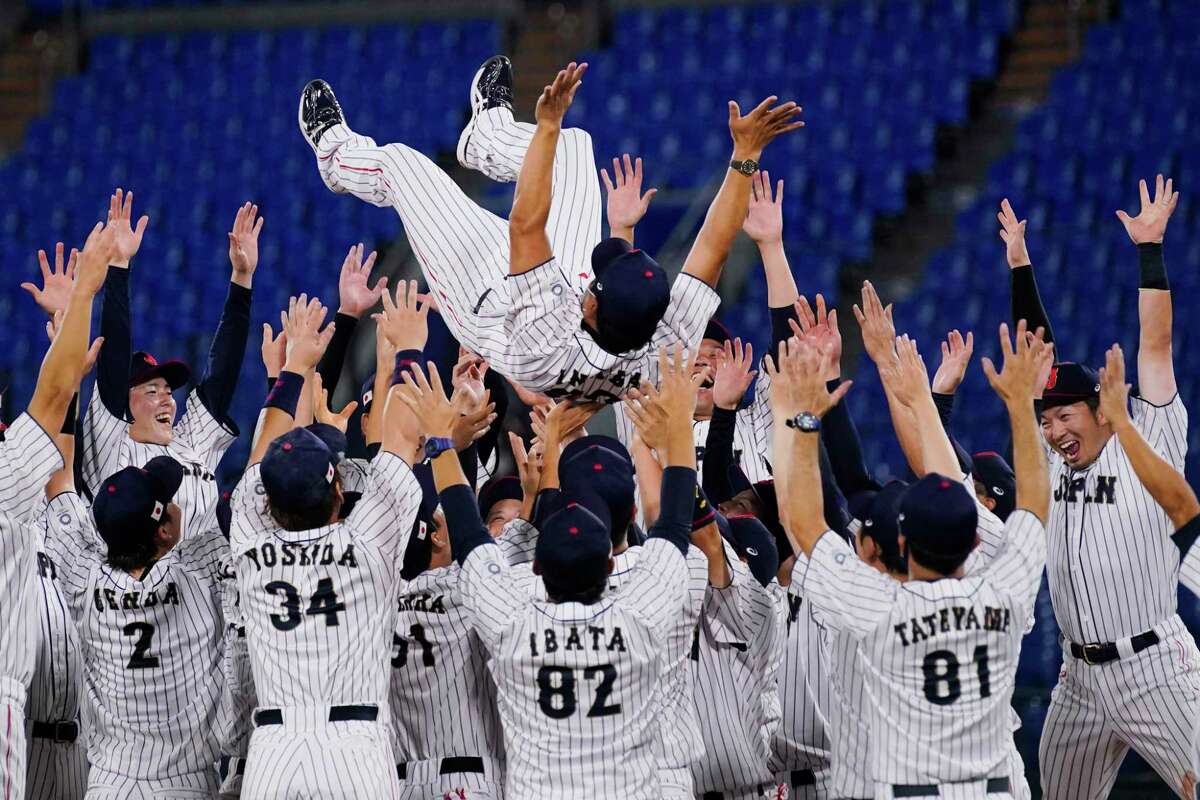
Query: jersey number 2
[(941, 670), (141, 658), (324, 601), (556, 691)]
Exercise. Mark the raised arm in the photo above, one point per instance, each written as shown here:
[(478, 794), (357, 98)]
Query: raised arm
[(956, 355), (306, 342), (116, 325), (1015, 385), (751, 134), (405, 323), (529, 246), (1166, 485), (1156, 372), (626, 202), (355, 297), (909, 382), (64, 479), (730, 382), (1026, 300)]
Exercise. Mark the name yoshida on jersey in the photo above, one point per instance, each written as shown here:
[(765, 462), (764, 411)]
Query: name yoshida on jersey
[(152, 647), (939, 657), (199, 441), (1112, 566), (319, 606)]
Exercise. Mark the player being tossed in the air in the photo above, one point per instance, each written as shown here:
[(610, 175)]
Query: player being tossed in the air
[(521, 293)]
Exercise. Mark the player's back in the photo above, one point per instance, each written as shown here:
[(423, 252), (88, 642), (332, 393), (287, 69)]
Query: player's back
[(152, 658), (443, 699)]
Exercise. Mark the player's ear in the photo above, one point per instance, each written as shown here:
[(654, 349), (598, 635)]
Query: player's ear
[(537, 568), (990, 504)]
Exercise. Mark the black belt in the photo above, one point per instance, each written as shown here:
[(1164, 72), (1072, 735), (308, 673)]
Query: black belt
[(802, 777), (274, 716), (223, 768), (1093, 654), (60, 732), (448, 766), (994, 786), (760, 788)]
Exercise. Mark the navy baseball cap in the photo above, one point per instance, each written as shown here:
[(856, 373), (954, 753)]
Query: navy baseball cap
[(297, 471), (574, 545), (608, 474), (632, 294), (997, 479), (333, 438), (584, 442), (716, 331), (753, 542), (506, 487), (1070, 383), (132, 503), (366, 395), (879, 513), (420, 543), (938, 518), (144, 367)]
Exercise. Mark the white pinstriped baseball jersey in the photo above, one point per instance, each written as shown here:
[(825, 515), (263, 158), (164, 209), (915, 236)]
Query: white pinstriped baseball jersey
[(151, 647), (940, 657), (320, 605), (239, 699), (527, 326), (805, 689), (1189, 571), (54, 690), (578, 685), (28, 457), (1112, 565), (736, 660), (443, 699), (199, 442)]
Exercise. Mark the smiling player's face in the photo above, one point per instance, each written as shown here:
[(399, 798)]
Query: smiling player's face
[(711, 353), (153, 409), (1075, 432)]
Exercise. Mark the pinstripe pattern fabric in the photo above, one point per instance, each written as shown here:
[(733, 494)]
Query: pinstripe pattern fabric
[(28, 457), (151, 650), (199, 441), (939, 657), (239, 698), (443, 700), (578, 686), (56, 770), (527, 326), (114, 786), (517, 541), (738, 653), (317, 760), (1189, 571), (1112, 565)]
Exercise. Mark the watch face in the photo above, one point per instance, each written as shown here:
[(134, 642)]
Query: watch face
[(749, 166)]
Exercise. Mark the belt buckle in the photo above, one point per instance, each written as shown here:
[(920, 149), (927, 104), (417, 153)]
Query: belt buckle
[(62, 733), (1088, 649)]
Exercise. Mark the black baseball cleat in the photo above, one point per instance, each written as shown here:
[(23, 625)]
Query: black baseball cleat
[(490, 88), (319, 111)]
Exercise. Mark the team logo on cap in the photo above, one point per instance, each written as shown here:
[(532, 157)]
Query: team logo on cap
[(752, 551), (1053, 379), (329, 474), (157, 513), (368, 396), (151, 360)]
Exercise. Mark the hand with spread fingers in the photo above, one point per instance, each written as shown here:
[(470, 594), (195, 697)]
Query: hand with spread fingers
[(243, 244), (766, 121), (127, 239), (321, 410), (820, 329), (1150, 225), (798, 383), (54, 325), (436, 415), (878, 329), (1015, 382), (734, 375), (956, 355), (907, 376), (1012, 233), (56, 282), (556, 98), (306, 340), (626, 202), (91, 268), (648, 416), (355, 293), (475, 417), (1114, 391), (274, 350), (764, 220), (404, 322)]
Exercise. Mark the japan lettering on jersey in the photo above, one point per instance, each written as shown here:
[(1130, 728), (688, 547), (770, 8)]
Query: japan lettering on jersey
[(320, 605), (736, 660), (443, 700), (199, 441), (577, 685), (940, 657), (28, 457), (151, 647), (1112, 567), (550, 352)]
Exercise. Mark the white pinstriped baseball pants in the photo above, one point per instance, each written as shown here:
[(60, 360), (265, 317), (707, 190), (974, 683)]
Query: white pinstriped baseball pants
[(463, 248), (1150, 702), (320, 760), (56, 770), (12, 747), (110, 786)]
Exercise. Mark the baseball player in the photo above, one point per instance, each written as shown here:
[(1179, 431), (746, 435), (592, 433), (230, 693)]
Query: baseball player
[(29, 457), (443, 700), (940, 650), (1131, 671), (318, 594), (131, 416), (578, 674), (151, 628), (523, 294)]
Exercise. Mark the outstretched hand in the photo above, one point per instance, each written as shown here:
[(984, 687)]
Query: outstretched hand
[(820, 329), (753, 132), (878, 329), (626, 203), (99, 251), (56, 282), (906, 376), (1150, 225), (1015, 383), (274, 350), (355, 294), (306, 341), (127, 240), (243, 244), (556, 98), (764, 219), (436, 415), (404, 322), (1114, 391), (54, 325), (733, 376), (321, 410), (956, 354), (1013, 234), (798, 383)]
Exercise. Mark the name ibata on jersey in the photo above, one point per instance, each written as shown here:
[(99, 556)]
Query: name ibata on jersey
[(587, 637), (287, 554), (952, 619)]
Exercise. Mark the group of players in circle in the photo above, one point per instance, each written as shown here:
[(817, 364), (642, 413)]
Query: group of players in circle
[(721, 602)]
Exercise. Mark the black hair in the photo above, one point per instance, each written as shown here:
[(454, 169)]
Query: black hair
[(139, 554), (890, 556), (943, 565), (583, 596), (1093, 403), (316, 516)]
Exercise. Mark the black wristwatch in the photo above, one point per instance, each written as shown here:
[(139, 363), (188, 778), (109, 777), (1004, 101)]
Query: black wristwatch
[(747, 167), (805, 422)]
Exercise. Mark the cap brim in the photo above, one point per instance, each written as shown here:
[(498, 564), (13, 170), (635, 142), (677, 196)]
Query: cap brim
[(168, 472), (175, 373)]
